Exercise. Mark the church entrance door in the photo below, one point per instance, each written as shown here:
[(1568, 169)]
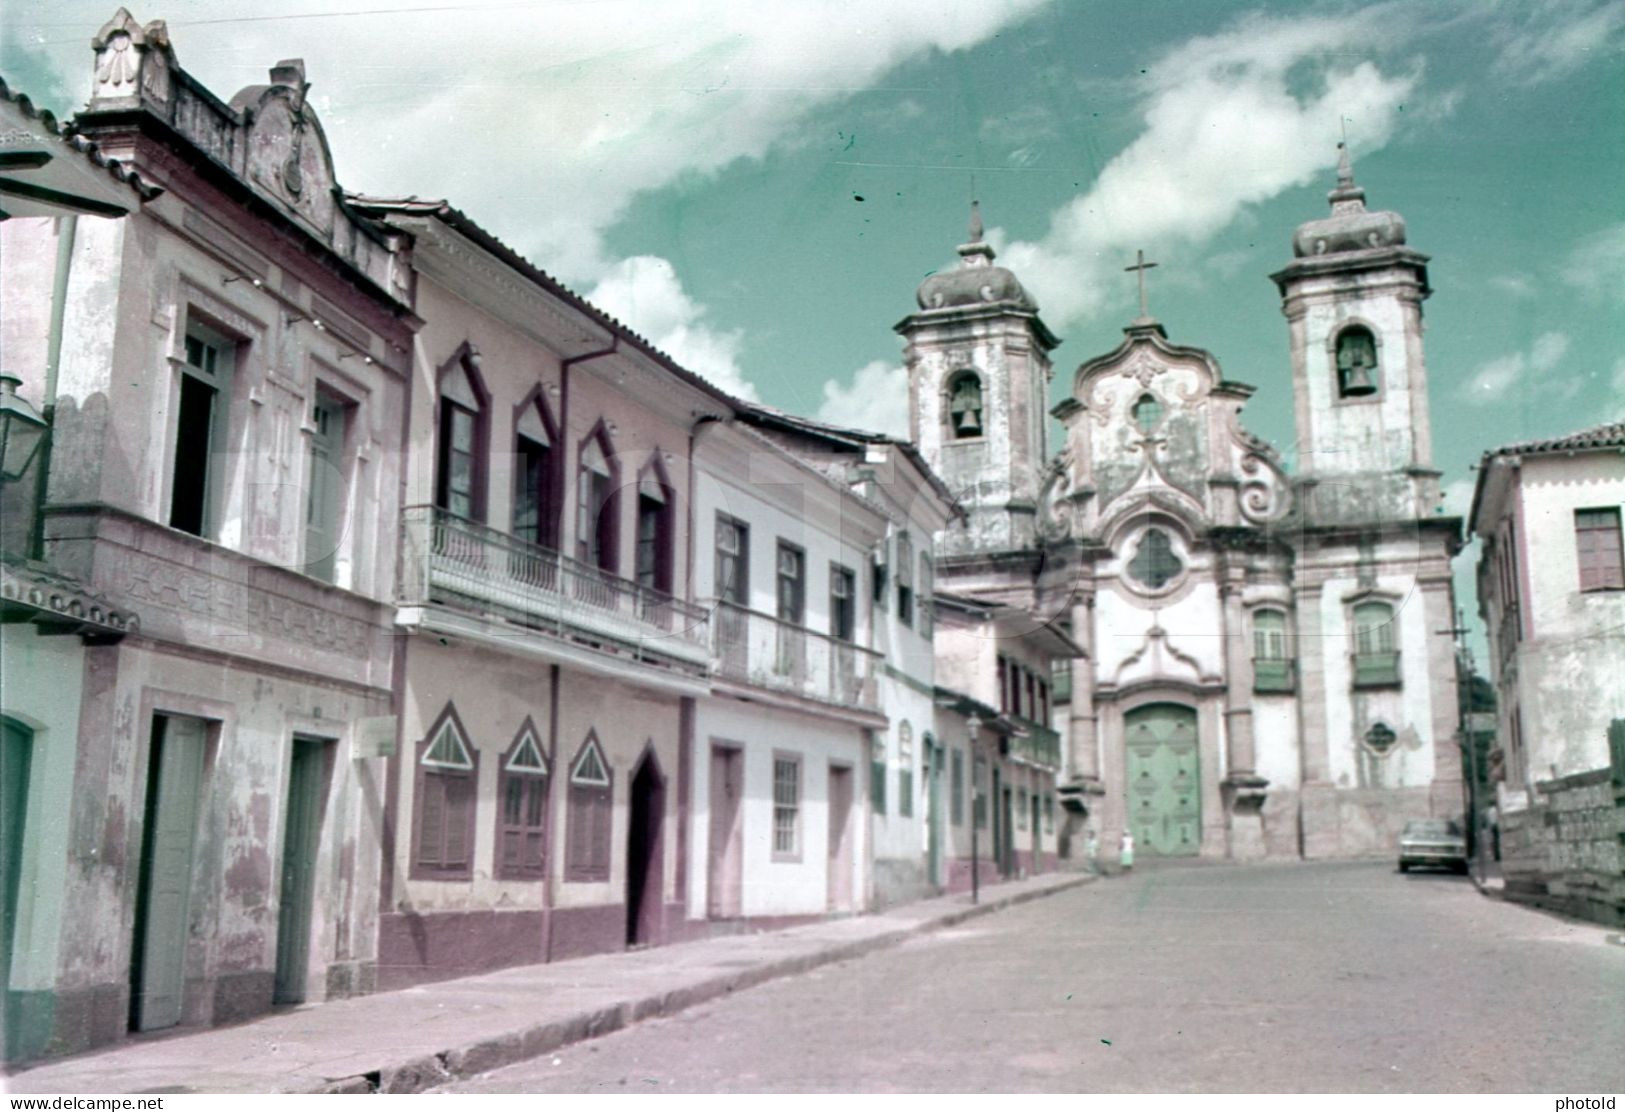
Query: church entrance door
[(1164, 806)]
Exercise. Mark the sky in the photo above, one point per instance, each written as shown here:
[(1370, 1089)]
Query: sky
[(760, 187)]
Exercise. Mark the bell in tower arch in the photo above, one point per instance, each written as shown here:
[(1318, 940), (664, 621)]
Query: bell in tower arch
[(1356, 363)]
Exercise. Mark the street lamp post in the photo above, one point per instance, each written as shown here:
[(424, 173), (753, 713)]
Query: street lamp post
[(22, 430)]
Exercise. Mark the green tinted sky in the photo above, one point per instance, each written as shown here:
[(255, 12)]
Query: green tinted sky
[(698, 168)]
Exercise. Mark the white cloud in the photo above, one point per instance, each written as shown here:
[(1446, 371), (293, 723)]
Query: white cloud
[(646, 294), (1597, 264), (1549, 40), (876, 399), (1222, 101), (1514, 285), (543, 119), (1495, 380), (1458, 498)]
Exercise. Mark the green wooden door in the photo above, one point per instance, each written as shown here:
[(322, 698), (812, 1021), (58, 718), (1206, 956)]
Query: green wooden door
[(933, 812), (1164, 804), (16, 753), (174, 777), (299, 846)]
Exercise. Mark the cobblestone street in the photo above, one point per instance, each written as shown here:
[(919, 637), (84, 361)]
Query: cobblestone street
[(1321, 977)]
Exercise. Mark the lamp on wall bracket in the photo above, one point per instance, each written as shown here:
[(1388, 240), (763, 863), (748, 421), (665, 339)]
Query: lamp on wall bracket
[(230, 278), (292, 318), (22, 430)]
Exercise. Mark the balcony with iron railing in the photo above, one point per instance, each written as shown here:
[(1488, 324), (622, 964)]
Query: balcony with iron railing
[(762, 651), (1274, 676), (1037, 745), (1375, 669), (453, 562)]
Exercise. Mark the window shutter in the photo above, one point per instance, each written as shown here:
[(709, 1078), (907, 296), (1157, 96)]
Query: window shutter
[(432, 820), (459, 796), (600, 811)]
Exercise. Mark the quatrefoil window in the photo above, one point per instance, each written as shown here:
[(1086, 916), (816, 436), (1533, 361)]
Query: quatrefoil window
[(1147, 412), (1155, 564)]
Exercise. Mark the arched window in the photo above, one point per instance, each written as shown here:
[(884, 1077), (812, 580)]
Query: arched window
[(597, 506), (965, 405), (446, 775), (877, 772), (522, 820), (1356, 362), (587, 835), (1376, 659), (535, 478), (1147, 412), (464, 411), (1155, 562), (653, 555)]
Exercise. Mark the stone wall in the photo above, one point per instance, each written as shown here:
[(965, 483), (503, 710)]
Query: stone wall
[(1566, 850)]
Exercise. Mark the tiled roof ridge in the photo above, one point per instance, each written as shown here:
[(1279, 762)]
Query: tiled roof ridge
[(89, 148), (1610, 434), (460, 220)]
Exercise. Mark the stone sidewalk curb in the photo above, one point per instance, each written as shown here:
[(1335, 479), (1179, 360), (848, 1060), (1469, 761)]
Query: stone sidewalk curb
[(425, 1073), (564, 1002)]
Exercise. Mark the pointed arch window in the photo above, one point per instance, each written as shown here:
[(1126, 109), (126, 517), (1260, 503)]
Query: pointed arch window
[(656, 533), (1272, 664), (587, 833), (1356, 362), (522, 815), (596, 504), (965, 405), (447, 770), (1376, 656), (460, 464), (535, 478)]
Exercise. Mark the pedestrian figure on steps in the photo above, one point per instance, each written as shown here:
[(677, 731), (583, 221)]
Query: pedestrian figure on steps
[(1125, 856), (1091, 851)]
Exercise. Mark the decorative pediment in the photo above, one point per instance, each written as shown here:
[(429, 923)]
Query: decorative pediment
[(1158, 658), (288, 155)]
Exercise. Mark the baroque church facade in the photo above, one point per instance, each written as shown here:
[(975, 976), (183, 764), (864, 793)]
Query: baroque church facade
[(1266, 663)]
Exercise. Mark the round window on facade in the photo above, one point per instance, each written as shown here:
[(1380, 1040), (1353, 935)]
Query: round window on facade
[(1155, 563)]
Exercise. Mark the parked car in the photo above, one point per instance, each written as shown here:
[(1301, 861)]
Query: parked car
[(1438, 842)]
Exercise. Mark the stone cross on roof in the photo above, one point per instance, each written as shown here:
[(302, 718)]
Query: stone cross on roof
[(1142, 266)]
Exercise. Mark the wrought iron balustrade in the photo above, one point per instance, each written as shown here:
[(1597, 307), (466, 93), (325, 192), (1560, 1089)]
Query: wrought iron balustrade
[(763, 651), (462, 564), (1041, 746)]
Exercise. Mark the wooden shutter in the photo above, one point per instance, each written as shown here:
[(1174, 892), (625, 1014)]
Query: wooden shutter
[(459, 790), (432, 819)]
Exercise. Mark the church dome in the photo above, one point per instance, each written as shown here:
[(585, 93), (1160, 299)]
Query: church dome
[(1350, 227), (975, 281)]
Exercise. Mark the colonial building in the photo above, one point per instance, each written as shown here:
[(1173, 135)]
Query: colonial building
[(1263, 661), (226, 369), (1551, 591)]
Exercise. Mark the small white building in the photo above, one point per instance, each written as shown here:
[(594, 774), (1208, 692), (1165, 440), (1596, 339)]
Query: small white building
[(777, 830), (1551, 591)]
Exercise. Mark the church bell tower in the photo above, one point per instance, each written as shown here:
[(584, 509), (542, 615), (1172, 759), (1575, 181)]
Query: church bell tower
[(1353, 296), (978, 371)]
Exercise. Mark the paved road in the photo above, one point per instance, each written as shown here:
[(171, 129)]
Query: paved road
[(1308, 977)]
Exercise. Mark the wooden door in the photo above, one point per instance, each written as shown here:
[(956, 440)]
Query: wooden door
[(299, 847), (174, 780), (1164, 804), (725, 876), (16, 756), (840, 838), (933, 814)]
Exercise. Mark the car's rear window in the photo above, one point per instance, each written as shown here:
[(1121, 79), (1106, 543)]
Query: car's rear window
[(1432, 827)]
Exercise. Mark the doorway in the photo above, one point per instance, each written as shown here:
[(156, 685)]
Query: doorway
[(163, 891), (933, 812), (1007, 843), (307, 776), (16, 757), (645, 874), (840, 838), (725, 851), (1164, 804)]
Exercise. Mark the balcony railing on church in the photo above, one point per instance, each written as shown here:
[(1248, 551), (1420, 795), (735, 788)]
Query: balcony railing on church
[(1038, 745), (463, 565), (1274, 676), (764, 651), (1376, 669)]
